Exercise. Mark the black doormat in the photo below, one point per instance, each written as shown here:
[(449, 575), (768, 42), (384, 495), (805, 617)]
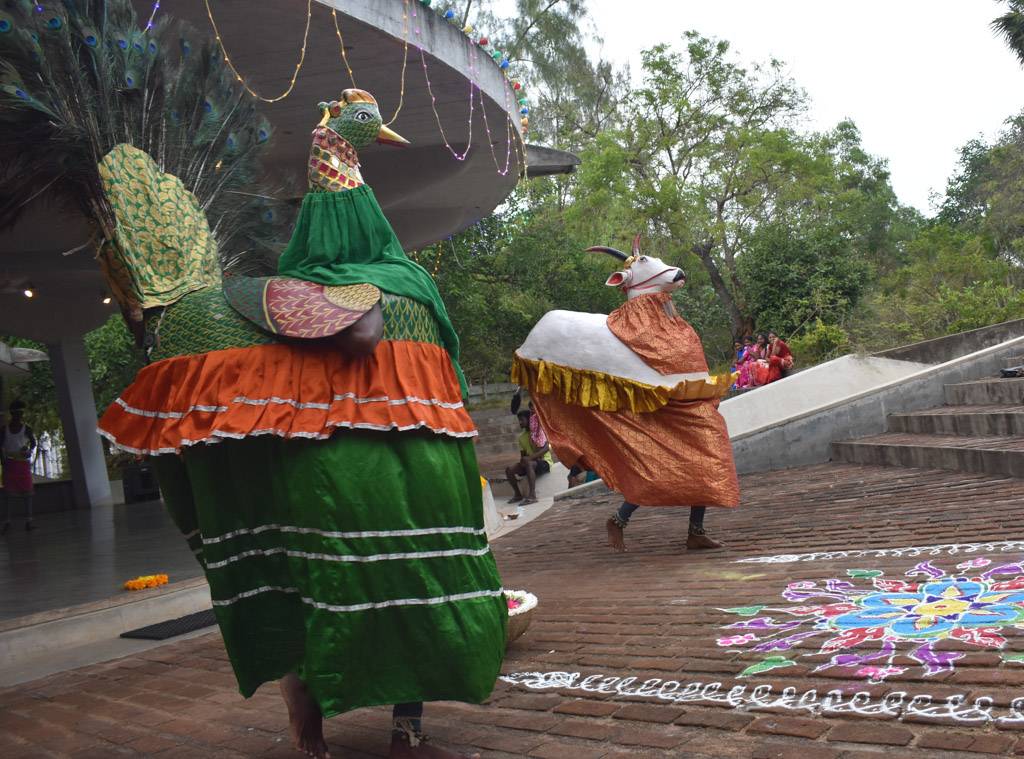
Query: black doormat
[(173, 627)]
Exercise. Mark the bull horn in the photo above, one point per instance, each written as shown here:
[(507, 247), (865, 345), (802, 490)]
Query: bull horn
[(610, 251), (636, 244)]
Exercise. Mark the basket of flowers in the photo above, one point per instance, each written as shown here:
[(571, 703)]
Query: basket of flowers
[(520, 612)]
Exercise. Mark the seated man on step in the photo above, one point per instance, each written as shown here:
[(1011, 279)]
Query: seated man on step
[(534, 459)]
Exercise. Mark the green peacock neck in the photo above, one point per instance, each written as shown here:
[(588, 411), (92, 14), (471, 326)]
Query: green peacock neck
[(333, 162)]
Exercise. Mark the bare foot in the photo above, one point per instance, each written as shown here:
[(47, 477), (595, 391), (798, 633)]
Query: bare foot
[(528, 501), (615, 539), (307, 723), (514, 499), (400, 749)]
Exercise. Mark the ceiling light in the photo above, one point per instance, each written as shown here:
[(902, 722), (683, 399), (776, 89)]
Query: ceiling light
[(106, 300), (29, 292)]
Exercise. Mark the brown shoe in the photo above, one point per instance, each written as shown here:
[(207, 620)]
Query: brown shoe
[(701, 541)]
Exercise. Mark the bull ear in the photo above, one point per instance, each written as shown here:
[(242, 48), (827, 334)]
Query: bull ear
[(619, 279)]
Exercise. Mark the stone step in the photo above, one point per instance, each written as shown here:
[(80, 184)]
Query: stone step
[(986, 392), (494, 431), (497, 448), (969, 421), (984, 455)]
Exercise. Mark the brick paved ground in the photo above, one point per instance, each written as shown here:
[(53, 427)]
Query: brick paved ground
[(654, 614)]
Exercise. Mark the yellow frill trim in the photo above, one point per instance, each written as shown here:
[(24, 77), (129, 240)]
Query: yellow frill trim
[(588, 388)]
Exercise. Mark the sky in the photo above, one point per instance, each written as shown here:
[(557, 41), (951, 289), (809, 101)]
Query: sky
[(918, 77)]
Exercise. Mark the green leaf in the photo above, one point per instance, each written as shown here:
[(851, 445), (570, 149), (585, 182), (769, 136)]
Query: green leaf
[(744, 611), (864, 573), (767, 664)]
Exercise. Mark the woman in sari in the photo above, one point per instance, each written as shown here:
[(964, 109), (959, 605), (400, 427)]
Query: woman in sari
[(759, 367), (780, 358), (745, 363)]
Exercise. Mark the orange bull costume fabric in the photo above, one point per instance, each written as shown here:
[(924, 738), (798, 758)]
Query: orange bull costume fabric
[(657, 445)]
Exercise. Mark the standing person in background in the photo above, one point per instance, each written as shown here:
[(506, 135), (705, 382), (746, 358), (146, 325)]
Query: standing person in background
[(16, 445)]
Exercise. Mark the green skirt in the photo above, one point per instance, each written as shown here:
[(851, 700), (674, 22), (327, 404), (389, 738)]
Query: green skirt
[(359, 562)]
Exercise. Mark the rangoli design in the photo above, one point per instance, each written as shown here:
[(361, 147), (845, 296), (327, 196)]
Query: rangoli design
[(896, 618)]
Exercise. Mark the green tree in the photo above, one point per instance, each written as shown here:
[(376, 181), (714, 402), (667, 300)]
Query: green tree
[(1011, 26), (113, 362), (955, 280), (709, 158)]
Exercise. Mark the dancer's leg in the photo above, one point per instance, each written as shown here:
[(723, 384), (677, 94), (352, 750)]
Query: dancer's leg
[(407, 739), (617, 523), (307, 722), (697, 537)]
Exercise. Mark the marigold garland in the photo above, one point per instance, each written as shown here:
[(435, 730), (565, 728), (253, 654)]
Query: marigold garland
[(146, 581)]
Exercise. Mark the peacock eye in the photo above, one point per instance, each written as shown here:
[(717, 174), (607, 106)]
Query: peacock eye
[(363, 116)]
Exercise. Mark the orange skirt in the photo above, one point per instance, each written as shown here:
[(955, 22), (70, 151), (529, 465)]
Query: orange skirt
[(679, 455), (287, 389)]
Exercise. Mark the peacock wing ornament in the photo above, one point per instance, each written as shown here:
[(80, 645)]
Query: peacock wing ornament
[(162, 249)]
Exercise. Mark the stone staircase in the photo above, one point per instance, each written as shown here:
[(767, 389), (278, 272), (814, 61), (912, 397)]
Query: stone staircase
[(497, 446), (980, 430)]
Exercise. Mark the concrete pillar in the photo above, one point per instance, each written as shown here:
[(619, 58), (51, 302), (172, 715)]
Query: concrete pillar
[(78, 418)]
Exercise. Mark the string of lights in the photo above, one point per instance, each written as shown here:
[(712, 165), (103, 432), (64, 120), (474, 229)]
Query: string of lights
[(437, 117), (437, 259), (490, 139), (238, 75), (487, 126), (405, 60), (341, 44), (156, 7)]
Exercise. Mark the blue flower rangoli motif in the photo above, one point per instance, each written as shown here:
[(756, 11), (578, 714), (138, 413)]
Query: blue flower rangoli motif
[(977, 610), (935, 609)]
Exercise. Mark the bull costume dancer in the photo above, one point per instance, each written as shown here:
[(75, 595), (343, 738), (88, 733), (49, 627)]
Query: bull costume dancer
[(629, 395), (310, 439)]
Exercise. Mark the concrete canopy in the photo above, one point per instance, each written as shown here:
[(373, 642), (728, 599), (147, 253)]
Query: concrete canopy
[(426, 192)]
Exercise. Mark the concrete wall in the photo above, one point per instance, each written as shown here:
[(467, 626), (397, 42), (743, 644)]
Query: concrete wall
[(953, 346), (812, 388), (806, 438)]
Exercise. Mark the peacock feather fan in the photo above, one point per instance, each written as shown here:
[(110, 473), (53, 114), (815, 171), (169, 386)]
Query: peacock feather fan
[(82, 76)]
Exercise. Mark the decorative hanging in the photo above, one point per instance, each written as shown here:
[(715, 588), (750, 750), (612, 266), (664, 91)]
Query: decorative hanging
[(341, 45), (448, 14), (238, 75)]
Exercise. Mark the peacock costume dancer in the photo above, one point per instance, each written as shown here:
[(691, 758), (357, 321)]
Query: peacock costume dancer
[(311, 442)]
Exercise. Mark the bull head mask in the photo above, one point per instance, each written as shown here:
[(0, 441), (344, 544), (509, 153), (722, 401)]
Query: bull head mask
[(640, 274)]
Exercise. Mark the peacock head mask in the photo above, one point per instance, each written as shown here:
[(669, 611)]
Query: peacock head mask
[(357, 118)]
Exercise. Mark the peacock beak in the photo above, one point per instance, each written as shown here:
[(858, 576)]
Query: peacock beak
[(390, 137)]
